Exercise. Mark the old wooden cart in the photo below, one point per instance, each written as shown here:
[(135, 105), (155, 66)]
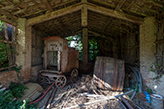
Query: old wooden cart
[(59, 61)]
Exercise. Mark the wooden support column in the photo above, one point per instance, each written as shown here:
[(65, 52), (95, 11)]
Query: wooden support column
[(84, 24), (85, 45)]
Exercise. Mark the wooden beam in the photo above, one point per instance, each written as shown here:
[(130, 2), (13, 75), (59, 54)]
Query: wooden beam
[(84, 16), (8, 21), (47, 5), (56, 6), (85, 46), (113, 13), (108, 4), (120, 4), (54, 14), (4, 12)]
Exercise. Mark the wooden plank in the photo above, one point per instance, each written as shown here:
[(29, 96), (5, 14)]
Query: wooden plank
[(115, 75), (114, 13), (54, 14), (47, 5), (85, 46), (120, 78), (126, 102)]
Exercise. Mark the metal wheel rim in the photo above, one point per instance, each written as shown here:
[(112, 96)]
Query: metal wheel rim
[(60, 82)]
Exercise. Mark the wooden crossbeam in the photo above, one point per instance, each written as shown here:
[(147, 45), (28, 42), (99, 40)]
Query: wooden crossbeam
[(114, 13), (62, 4), (54, 14), (8, 21), (47, 5)]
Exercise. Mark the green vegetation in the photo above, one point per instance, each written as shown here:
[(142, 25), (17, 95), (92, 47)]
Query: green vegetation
[(76, 41), (3, 49), (4, 62), (7, 98)]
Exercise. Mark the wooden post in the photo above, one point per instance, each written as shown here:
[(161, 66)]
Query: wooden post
[(84, 24), (84, 14), (85, 45)]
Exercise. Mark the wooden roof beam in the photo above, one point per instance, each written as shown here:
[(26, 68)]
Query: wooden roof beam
[(47, 5), (120, 4), (114, 13), (62, 4), (8, 21), (54, 14), (118, 7), (8, 14)]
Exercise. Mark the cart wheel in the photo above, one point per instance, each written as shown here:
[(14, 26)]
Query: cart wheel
[(74, 75), (43, 79), (60, 81)]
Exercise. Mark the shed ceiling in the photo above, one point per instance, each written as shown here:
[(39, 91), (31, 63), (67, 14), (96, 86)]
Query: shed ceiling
[(71, 23)]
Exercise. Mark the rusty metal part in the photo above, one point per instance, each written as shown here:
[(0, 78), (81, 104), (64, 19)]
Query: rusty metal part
[(60, 81)]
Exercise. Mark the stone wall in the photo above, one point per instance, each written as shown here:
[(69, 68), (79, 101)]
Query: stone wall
[(37, 48), (7, 77)]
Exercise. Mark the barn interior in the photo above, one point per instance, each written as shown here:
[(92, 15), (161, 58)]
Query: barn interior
[(129, 30)]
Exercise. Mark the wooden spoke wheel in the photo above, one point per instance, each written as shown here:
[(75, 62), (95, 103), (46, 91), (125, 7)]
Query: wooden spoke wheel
[(43, 79), (61, 81), (74, 75)]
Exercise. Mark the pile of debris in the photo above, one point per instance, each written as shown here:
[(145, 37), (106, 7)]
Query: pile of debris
[(84, 95)]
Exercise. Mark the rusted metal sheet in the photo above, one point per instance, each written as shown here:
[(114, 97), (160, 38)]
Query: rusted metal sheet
[(109, 73)]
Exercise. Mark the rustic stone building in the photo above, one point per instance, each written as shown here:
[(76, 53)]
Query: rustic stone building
[(130, 29)]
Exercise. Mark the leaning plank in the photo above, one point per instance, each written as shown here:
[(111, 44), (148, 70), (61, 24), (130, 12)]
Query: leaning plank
[(114, 13), (9, 42), (54, 14)]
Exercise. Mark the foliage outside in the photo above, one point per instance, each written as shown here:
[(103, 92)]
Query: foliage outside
[(3, 48), (76, 41)]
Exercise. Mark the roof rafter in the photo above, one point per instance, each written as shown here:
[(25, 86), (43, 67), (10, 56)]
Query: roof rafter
[(113, 13), (47, 5), (54, 14)]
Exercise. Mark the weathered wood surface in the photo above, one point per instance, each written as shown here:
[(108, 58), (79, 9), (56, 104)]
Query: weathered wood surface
[(109, 73)]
